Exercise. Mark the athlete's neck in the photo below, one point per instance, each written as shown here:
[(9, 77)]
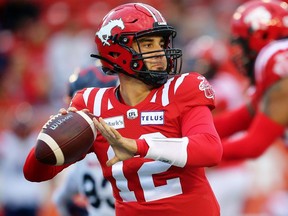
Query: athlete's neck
[(132, 91)]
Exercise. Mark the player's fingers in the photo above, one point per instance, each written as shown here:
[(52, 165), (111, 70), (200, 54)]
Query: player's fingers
[(62, 111), (85, 110), (112, 161), (107, 128), (116, 134), (71, 109), (99, 126)]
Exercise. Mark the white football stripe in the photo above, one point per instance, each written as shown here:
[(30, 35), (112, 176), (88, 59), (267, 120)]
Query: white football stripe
[(53, 146), (89, 121)]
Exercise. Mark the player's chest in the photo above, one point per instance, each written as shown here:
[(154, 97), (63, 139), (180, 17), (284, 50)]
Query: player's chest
[(136, 121)]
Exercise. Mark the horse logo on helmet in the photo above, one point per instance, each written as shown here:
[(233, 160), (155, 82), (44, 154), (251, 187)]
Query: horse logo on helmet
[(104, 33)]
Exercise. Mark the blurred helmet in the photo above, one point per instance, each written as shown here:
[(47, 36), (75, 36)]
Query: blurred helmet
[(126, 24), (89, 77), (205, 55), (254, 25)]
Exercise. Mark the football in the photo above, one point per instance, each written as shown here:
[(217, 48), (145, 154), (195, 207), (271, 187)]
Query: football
[(65, 138)]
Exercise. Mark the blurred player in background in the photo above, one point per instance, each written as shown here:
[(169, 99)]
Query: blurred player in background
[(84, 183), (211, 57), (260, 51), (17, 195)]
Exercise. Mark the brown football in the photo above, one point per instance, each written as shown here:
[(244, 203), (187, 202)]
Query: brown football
[(66, 138)]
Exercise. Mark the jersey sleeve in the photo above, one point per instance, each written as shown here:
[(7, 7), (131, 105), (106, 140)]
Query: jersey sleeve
[(261, 134), (35, 171), (194, 90), (271, 65), (200, 145), (238, 120), (78, 101)]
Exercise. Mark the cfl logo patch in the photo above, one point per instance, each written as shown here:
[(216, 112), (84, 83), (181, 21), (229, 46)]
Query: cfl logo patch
[(132, 113)]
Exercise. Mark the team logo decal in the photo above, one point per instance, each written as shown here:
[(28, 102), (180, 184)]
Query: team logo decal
[(258, 18), (105, 32), (152, 118), (132, 113), (206, 87)]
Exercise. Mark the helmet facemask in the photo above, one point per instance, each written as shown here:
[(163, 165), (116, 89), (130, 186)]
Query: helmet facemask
[(137, 67), (139, 60)]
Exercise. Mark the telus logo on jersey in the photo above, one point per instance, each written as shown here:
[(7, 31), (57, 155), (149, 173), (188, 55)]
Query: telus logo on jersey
[(152, 118), (116, 122)]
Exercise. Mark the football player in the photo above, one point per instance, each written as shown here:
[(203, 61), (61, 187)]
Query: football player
[(85, 178), (260, 46), (155, 130)]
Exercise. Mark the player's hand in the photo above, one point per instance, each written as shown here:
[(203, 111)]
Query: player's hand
[(64, 111), (124, 148)]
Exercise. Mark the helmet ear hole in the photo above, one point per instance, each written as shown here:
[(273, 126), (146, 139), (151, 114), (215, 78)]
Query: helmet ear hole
[(114, 54), (123, 39), (135, 65)]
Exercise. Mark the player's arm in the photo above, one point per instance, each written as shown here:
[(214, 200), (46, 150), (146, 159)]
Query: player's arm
[(199, 146), (35, 171), (268, 125), (275, 102), (230, 122)]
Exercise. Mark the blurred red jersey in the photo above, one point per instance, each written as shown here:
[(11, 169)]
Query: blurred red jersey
[(271, 65)]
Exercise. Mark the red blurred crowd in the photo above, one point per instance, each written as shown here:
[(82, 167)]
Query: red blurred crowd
[(42, 41)]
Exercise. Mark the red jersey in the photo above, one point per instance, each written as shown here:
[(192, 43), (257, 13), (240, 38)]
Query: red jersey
[(271, 65), (143, 186)]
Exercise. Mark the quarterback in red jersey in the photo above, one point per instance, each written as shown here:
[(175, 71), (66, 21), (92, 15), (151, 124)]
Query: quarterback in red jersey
[(155, 132), (260, 32)]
